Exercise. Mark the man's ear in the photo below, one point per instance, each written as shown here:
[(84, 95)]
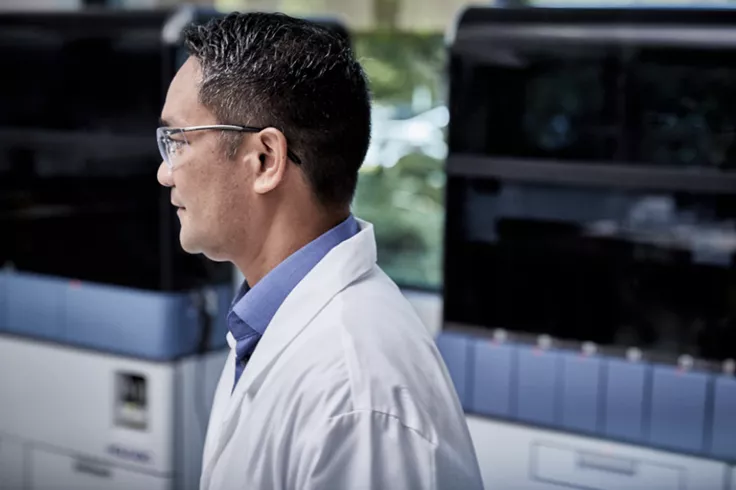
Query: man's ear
[(272, 159)]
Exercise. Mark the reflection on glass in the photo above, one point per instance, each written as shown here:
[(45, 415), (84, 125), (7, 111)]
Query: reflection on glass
[(639, 106), (565, 113), (681, 108), (534, 103)]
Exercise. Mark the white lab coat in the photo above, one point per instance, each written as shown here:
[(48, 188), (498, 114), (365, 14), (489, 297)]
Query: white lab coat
[(346, 390)]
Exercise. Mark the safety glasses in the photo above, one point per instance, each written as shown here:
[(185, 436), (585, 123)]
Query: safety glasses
[(172, 142)]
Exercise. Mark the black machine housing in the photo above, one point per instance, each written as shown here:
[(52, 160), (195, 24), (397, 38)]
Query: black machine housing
[(80, 98), (591, 188)]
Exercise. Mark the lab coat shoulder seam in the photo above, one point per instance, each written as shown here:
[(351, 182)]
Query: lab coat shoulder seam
[(372, 412), (346, 359)]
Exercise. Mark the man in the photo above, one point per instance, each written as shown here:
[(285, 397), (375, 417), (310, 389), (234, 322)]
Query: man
[(332, 381)]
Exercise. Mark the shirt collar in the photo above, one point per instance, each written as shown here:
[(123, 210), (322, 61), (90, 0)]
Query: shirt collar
[(254, 308)]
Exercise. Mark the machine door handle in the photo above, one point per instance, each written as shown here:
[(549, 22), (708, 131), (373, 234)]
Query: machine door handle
[(608, 464), (90, 467)]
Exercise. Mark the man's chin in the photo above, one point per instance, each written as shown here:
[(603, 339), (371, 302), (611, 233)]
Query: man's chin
[(188, 244), (194, 247), (190, 249)]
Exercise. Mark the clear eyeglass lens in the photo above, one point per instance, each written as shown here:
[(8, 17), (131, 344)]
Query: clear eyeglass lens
[(162, 141), (173, 147), (169, 148)]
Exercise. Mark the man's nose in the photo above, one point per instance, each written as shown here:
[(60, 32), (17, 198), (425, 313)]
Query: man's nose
[(164, 175)]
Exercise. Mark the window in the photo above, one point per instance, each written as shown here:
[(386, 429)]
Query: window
[(401, 185)]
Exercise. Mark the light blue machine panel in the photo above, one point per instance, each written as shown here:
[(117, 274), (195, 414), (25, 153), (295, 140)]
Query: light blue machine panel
[(3, 295), (35, 305), (455, 350), (723, 442), (146, 324), (538, 386), (493, 376), (677, 418), (633, 401), (581, 382), (624, 402)]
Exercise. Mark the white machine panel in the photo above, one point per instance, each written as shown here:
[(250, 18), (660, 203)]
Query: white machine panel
[(11, 464), (733, 478), (70, 398), (573, 467), (524, 458), (80, 419), (52, 471)]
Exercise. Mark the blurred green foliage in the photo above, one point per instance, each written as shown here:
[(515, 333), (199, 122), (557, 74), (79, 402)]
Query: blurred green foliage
[(404, 202), (398, 62)]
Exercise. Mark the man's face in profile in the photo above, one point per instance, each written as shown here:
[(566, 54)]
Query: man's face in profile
[(208, 189)]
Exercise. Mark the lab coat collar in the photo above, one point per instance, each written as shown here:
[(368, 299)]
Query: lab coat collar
[(251, 314), (231, 340), (343, 265)]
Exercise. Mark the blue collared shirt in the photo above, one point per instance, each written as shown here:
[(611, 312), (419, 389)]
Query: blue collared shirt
[(254, 308)]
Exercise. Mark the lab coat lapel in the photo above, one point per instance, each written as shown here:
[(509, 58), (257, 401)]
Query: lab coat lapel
[(216, 440), (343, 265)]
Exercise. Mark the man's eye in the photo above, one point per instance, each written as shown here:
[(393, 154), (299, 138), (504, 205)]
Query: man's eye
[(175, 145)]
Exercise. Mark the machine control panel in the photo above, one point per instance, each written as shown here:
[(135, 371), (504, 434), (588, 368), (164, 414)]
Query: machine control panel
[(131, 401)]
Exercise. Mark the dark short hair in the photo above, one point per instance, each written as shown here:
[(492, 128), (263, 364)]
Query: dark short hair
[(272, 70)]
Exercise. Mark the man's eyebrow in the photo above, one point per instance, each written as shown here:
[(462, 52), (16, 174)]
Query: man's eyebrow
[(170, 123)]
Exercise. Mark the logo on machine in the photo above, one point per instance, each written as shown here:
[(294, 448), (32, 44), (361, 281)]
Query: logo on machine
[(129, 454)]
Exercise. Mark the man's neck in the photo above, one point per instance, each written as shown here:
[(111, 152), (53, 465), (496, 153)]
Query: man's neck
[(284, 238)]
